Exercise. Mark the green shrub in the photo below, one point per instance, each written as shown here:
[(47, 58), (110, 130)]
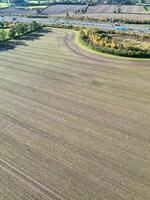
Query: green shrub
[(101, 41)]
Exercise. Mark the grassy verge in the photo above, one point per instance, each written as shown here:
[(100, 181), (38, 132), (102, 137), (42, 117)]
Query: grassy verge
[(4, 5), (32, 7), (147, 8), (83, 45)]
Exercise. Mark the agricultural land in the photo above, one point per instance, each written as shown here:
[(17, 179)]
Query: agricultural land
[(74, 125)]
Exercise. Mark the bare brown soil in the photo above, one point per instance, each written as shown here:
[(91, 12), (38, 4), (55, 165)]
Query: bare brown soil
[(103, 11), (73, 125), (111, 8)]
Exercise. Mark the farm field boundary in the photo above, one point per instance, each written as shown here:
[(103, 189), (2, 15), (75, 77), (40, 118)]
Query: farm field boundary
[(83, 45)]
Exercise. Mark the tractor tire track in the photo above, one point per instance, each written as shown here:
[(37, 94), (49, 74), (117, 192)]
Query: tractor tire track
[(31, 182)]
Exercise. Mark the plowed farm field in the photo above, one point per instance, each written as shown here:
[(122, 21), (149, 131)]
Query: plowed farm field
[(73, 125), (111, 8), (93, 10), (62, 9)]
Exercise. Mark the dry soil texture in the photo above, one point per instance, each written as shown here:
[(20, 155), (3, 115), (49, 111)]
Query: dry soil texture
[(99, 10), (73, 125), (17, 11), (95, 10), (62, 9), (111, 8)]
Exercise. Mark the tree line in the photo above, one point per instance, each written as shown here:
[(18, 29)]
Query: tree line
[(11, 31), (90, 2)]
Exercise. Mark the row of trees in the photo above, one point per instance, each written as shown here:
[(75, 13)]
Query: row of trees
[(118, 43), (18, 29), (92, 2)]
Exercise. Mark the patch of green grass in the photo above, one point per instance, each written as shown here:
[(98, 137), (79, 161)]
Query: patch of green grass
[(147, 8), (35, 7), (96, 83), (4, 5), (32, 7), (6, 30)]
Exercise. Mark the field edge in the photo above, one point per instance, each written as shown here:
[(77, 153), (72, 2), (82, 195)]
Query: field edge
[(81, 44)]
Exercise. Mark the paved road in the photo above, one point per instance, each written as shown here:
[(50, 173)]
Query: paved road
[(101, 25)]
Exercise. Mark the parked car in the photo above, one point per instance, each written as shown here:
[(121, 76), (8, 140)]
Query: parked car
[(117, 24), (121, 28)]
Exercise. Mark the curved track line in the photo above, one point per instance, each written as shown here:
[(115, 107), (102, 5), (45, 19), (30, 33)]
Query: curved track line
[(91, 56), (81, 52), (48, 193)]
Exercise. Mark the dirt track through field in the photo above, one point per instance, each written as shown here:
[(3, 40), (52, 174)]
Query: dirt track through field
[(73, 124), (32, 183)]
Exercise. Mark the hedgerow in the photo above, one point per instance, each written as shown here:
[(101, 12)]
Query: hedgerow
[(112, 42), (16, 30)]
